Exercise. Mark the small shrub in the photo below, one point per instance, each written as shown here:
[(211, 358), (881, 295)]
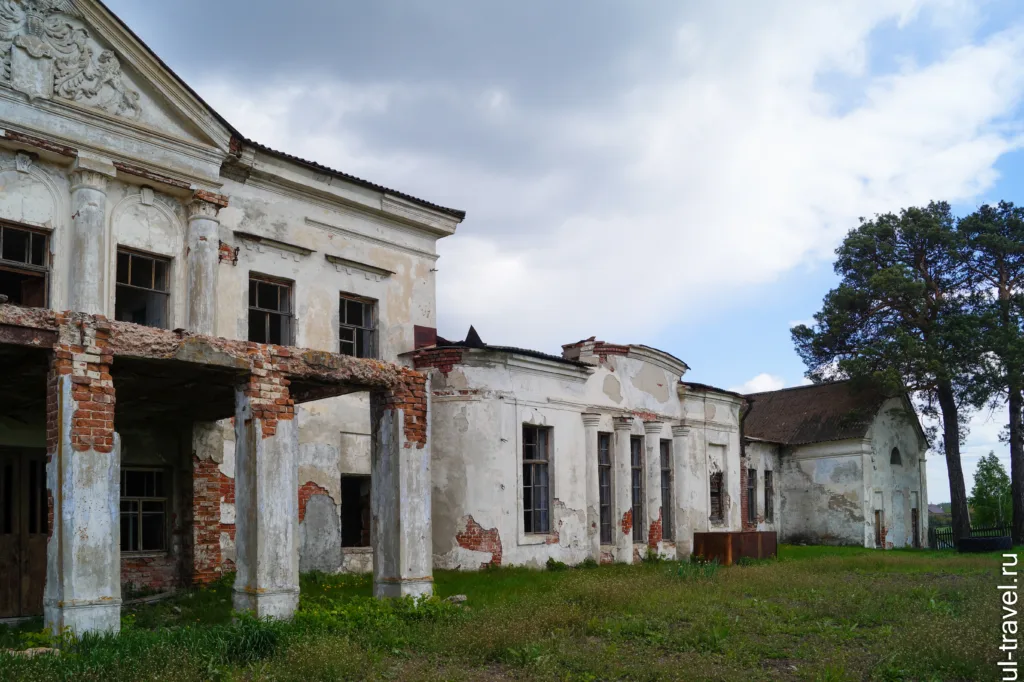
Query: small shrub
[(589, 563), (698, 568), (555, 565)]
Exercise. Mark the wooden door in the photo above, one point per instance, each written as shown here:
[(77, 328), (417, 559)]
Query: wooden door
[(24, 528), (10, 537)]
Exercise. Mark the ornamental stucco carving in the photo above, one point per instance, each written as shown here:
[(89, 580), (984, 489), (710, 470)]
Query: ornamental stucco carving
[(46, 56)]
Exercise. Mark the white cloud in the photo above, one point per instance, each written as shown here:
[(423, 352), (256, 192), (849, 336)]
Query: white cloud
[(760, 384), (724, 166)]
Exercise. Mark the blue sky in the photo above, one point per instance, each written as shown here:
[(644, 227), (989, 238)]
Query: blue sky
[(674, 173)]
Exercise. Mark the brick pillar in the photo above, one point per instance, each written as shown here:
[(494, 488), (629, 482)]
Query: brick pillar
[(622, 497), (400, 489), (591, 423), (652, 444), (83, 574), (266, 494)]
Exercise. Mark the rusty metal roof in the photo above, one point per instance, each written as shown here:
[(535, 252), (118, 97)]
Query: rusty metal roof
[(812, 414)]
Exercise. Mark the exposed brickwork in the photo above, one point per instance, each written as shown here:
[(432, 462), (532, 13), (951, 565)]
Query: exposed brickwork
[(443, 359), (475, 537), (268, 389), (226, 254), (592, 347), (654, 533), (627, 522), (410, 396), (306, 491), (153, 572), (87, 363), (207, 481), (607, 557)]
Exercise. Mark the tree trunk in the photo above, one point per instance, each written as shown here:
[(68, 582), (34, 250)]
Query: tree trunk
[(951, 441), (1016, 459)]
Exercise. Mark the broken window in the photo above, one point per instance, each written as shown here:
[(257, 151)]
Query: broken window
[(355, 511), (769, 497), (143, 510), (24, 266), (536, 459), (666, 491), (636, 457), (894, 457), (270, 310), (752, 495), (142, 293), (604, 482), (716, 497), (357, 335)]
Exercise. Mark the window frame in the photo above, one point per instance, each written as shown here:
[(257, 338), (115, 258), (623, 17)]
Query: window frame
[(27, 267), (155, 258), (751, 493), (716, 504), (606, 492), (165, 499), (288, 338), (343, 323), (667, 479), (637, 479), (769, 496), (531, 513)]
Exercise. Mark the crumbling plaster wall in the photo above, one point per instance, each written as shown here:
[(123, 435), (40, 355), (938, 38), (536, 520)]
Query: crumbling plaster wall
[(479, 409), (765, 457), (897, 486), (823, 492)]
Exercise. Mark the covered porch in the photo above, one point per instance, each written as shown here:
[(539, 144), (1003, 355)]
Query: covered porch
[(85, 380)]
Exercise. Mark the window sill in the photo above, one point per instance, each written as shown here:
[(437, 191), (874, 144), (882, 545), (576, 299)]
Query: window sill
[(538, 539), (145, 555), (357, 550)]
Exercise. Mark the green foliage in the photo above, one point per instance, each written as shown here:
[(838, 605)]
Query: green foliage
[(698, 568), (554, 565), (990, 497)]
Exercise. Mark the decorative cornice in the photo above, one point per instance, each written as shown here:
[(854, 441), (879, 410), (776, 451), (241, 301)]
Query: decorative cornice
[(351, 267), (254, 242), (591, 420), (436, 222), (352, 234)]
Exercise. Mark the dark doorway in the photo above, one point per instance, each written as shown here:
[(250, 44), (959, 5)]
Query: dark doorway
[(24, 528), (914, 519), (355, 511)]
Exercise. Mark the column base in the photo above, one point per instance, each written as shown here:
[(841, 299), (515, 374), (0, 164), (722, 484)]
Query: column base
[(276, 604), (103, 617), (402, 587)]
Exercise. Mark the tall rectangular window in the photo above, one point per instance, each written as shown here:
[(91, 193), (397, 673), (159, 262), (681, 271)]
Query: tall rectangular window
[(604, 481), (666, 491), (879, 533), (24, 266), (355, 511), (752, 495), (270, 310), (357, 335), (636, 456), (143, 510), (142, 293), (769, 496), (716, 497), (536, 487)]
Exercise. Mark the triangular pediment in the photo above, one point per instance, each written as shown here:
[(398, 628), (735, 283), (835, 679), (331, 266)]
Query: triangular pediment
[(77, 53)]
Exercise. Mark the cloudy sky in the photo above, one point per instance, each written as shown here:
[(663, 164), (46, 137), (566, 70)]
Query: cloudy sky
[(652, 171)]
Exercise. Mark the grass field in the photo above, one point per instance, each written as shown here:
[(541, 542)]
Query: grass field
[(816, 613)]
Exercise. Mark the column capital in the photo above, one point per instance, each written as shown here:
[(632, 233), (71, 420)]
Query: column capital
[(91, 172), (653, 427), (591, 420), (623, 423), (680, 431), (202, 208)]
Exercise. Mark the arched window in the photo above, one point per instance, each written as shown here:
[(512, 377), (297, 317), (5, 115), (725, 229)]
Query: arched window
[(894, 457)]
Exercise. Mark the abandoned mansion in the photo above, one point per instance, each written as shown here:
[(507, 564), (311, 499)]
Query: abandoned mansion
[(219, 358)]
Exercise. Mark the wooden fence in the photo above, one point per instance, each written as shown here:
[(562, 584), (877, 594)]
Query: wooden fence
[(942, 538)]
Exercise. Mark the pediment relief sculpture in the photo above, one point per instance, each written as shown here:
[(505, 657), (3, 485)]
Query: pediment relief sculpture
[(47, 56)]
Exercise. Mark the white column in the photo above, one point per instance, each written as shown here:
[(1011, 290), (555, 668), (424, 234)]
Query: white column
[(203, 256), (267, 504), (688, 490), (403, 559), (622, 497), (652, 487), (88, 267), (591, 422)]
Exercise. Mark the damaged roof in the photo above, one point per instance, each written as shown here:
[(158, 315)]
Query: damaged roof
[(812, 414), (473, 340), (455, 213)]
